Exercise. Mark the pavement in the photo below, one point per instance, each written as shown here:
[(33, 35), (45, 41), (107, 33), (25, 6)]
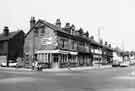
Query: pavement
[(56, 69)]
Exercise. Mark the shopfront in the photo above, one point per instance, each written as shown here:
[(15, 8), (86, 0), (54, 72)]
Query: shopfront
[(57, 58)]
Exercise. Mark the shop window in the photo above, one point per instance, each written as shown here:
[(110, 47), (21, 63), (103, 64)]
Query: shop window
[(63, 43), (36, 31), (1, 45), (43, 31)]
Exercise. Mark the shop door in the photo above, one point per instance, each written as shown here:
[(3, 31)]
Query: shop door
[(55, 61)]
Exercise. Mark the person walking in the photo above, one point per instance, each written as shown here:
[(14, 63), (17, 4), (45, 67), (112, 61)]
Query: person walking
[(36, 65), (69, 65), (33, 65)]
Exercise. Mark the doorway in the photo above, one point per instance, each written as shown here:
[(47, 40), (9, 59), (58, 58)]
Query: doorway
[(55, 64)]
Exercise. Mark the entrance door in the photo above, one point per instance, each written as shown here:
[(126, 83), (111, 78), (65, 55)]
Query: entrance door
[(55, 61)]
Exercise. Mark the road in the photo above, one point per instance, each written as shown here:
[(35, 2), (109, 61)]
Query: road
[(112, 79)]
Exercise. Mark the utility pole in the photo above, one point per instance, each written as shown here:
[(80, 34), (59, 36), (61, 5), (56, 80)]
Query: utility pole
[(123, 49), (99, 32), (33, 49), (99, 35), (99, 40), (123, 45)]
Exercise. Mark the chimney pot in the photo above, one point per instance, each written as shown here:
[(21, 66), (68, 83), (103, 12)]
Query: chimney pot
[(68, 28), (67, 25), (6, 31), (32, 22), (58, 23), (73, 27), (92, 37)]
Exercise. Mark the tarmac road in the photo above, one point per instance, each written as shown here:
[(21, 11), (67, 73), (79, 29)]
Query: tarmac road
[(112, 79)]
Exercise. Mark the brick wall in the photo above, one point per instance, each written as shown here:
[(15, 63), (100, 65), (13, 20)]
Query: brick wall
[(44, 39), (47, 40)]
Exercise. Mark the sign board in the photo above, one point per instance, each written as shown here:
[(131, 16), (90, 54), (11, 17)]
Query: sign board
[(48, 41)]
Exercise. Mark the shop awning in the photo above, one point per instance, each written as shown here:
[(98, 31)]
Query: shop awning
[(47, 51), (56, 51), (73, 53)]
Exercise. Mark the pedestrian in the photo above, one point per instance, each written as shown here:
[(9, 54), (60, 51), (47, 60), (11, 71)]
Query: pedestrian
[(33, 65), (39, 67), (69, 66), (36, 65)]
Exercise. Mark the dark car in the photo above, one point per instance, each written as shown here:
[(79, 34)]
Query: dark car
[(43, 65)]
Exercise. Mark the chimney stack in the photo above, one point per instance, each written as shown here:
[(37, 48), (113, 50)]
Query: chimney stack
[(32, 22), (92, 37), (80, 31), (58, 23), (109, 45), (87, 34), (106, 43), (6, 31), (68, 27), (72, 28), (101, 41)]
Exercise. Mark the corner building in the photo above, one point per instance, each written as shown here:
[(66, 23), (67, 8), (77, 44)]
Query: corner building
[(58, 47)]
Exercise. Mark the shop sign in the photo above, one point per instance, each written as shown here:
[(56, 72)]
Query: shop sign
[(47, 41)]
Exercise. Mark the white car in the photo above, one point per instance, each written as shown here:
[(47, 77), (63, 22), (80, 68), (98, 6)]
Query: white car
[(125, 64), (11, 64)]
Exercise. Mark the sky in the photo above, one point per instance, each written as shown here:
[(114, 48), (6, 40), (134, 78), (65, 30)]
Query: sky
[(115, 19)]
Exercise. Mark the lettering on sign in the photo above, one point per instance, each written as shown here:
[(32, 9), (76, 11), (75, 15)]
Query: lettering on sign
[(48, 41)]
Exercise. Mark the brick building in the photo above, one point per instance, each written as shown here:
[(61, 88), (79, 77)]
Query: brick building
[(58, 47), (11, 44)]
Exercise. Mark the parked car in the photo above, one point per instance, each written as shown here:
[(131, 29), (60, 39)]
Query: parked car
[(116, 63), (104, 63), (44, 65), (132, 62), (125, 64), (12, 63)]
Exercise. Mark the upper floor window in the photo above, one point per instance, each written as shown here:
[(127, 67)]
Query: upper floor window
[(73, 44), (36, 32), (61, 42), (64, 43), (42, 31)]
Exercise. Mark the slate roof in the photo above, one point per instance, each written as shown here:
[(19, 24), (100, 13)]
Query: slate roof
[(52, 26), (10, 35)]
